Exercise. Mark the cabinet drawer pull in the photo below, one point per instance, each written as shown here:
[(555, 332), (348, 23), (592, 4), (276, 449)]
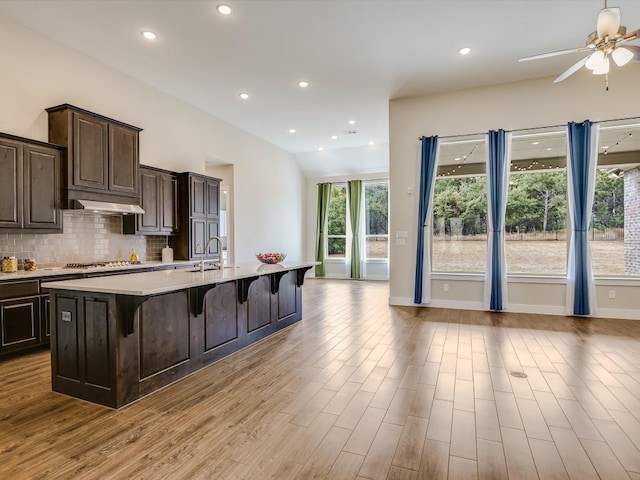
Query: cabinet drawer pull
[(65, 316)]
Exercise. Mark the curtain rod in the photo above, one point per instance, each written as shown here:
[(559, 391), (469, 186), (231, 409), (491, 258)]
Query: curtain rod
[(531, 128), (368, 180)]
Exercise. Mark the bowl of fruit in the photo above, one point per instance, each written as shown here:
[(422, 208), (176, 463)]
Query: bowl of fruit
[(271, 258)]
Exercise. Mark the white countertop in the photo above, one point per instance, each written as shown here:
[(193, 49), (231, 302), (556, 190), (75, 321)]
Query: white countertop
[(54, 271), (154, 283)]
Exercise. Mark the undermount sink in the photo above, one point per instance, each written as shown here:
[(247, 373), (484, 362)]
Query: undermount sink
[(210, 267)]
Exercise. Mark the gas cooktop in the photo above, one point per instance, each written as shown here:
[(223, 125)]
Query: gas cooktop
[(118, 263)]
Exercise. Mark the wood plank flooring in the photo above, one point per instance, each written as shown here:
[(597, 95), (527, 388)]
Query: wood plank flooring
[(356, 390)]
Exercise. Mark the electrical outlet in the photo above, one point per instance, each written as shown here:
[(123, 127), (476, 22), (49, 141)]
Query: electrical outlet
[(612, 294), (445, 287)]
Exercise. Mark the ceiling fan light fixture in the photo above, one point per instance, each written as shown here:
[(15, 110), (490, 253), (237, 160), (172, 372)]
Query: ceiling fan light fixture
[(595, 60), (608, 22), (622, 56), (602, 68)]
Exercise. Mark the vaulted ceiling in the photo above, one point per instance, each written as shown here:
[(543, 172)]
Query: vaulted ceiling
[(355, 54)]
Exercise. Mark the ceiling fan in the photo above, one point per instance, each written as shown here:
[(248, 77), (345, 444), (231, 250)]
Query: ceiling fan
[(609, 41)]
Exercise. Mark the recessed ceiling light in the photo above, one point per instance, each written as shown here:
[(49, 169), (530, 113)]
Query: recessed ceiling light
[(549, 148), (149, 35), (334, 137), (320, 148), (605, 146), (244, 96), (224, 9), (351, 122), (292, 130), (303, 84), (464, 51), (457, 159), (535, 143), (372, 142)]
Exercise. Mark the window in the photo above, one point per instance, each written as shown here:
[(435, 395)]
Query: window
[(536, 222), (615, 221), (536, 216), (460, 208), (337, 228), (376, 201)]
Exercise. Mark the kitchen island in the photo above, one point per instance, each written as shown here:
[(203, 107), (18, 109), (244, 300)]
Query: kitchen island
[(116, 339)]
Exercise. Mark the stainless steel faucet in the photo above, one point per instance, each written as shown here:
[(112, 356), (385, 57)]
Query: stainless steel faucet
[(206, 249)]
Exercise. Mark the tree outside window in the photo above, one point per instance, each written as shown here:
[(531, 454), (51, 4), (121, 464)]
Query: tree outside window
[(376, 198), (459, 223), (614, 230), (337, 224)]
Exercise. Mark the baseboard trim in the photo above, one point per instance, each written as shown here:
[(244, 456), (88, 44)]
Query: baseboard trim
[(619, 314)]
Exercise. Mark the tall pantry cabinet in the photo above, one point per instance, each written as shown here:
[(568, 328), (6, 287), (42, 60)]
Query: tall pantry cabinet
[(200, 217)]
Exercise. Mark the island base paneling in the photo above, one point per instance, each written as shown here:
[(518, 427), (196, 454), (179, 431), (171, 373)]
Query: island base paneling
[(100, 355)]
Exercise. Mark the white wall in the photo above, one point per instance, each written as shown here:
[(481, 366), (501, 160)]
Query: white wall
[(40, 73), (519, 105)]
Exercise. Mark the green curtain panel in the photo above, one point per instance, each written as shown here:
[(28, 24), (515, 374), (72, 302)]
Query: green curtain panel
[(324, 193), (354, 192)]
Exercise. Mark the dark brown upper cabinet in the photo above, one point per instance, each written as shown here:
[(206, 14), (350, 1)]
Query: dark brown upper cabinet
[(30, 185), (103, 155), (199, 217), (159, 200)]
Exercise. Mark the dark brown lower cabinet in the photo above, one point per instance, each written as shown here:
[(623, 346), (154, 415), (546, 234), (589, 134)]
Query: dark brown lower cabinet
[(19, 316), (112, 349), (20, 323), (258, 305), (220, 317)]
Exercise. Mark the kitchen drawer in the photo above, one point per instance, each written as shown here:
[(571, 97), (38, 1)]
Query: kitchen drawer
[(19, 289)]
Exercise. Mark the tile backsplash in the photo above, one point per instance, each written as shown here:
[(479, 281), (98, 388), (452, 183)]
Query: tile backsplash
[(87, 237)]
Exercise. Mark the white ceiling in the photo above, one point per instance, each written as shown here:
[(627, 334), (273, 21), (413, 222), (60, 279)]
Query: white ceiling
[(356, 54)]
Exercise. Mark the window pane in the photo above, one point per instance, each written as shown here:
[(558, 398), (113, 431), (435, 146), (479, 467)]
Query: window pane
[(337, 247), (459, 224), (615, 223), (376, 198), (376, 210), (338, 211), (536, 216), (377, 247), (460, 208)]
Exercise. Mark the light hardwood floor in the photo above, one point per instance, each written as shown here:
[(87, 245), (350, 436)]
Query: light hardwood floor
[(356, 390)]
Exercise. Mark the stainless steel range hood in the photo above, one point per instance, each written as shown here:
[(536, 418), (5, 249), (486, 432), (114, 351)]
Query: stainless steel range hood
[(106, 207)]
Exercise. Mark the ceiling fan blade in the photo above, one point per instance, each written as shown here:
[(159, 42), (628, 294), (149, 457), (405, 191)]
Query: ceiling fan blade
[(629, 37), (553, 54), (571, 70), (636, 52), (608, 22)]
